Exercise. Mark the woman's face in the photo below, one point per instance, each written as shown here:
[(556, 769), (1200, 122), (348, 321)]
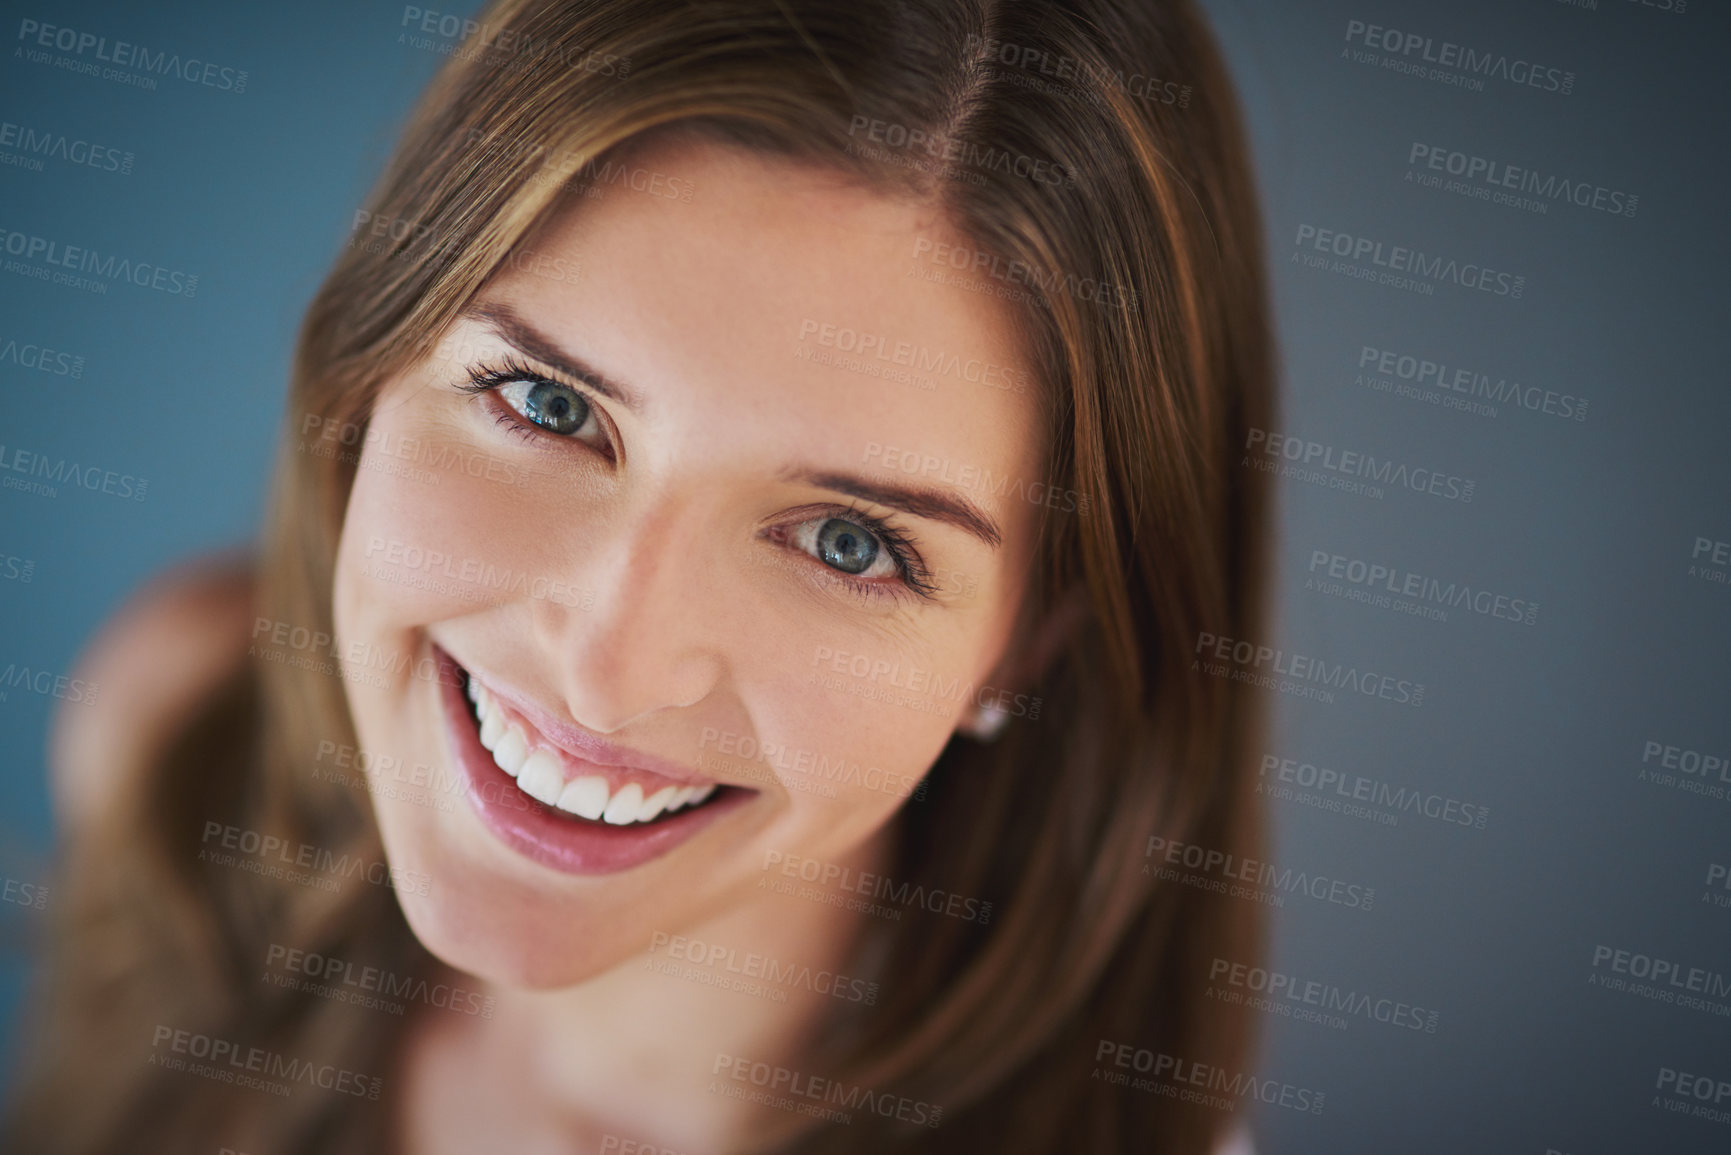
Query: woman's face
[(711, 500)]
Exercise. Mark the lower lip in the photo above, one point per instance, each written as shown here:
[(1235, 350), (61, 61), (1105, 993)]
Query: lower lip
[(549, 836)]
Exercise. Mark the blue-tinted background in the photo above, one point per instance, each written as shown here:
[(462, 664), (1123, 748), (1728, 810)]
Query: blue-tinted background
[(1541, 726)]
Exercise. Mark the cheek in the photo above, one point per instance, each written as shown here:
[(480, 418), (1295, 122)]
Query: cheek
[(427, 536), (894, 747), (420, 545), (868, 712), (438, 528), (848, 751), (848, 715)]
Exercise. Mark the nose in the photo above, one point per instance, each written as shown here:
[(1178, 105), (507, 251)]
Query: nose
[(648, 640)]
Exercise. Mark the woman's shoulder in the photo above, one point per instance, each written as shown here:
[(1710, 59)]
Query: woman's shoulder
[(169, 645)]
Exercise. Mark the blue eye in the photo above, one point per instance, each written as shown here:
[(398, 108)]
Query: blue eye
[(539, 403), (554, 407), (845, 546), (557, 407)]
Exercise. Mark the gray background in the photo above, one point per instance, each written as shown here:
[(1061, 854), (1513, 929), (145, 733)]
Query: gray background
[(1494, 929)]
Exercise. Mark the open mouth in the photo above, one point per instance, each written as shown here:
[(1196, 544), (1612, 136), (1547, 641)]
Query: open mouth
[(606, 794), (578, 810)]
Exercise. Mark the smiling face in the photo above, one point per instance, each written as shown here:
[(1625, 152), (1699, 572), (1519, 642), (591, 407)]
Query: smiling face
[(700, 510)]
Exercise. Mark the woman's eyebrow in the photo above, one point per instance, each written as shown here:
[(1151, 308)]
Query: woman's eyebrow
[(918, 501), (514, 330)]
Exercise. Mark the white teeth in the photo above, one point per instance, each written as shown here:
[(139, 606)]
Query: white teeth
[(589, 798), (541, 774), (492, 723), (492, 729), (541, 778), (656, 803), (511, 752), (625, 805), (585, 797)]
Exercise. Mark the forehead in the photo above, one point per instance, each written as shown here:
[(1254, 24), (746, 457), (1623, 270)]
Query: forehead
[(726, 283)]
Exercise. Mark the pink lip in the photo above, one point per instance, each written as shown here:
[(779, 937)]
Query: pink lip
[(581, 744), (552, 837)]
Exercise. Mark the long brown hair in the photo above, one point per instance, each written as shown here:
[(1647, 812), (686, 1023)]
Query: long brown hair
[(1097, 143)]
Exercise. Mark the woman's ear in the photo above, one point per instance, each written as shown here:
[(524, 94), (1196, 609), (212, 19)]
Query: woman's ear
[(1025, 663)]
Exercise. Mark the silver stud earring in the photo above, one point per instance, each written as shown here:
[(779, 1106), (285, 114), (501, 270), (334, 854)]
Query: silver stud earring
[(986, 723)]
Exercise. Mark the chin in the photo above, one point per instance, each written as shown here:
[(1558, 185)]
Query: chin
[(485, 934)]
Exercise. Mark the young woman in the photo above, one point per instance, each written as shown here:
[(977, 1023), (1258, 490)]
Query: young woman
[(722, 647)]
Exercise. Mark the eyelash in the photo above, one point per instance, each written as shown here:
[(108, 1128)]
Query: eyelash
[(916, 579), (485, 378)]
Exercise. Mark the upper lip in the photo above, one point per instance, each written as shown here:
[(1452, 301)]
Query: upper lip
[(578, 742)]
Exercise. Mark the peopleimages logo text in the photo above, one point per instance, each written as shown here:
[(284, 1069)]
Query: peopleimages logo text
[(1499, 175), (1316, 455), (42, 358), (33, 144), (1377, 580), (1424, 374), (1327, 782), (1229, 867), (1327, 997), (1410, 262), (1252, 658), (1197, 1080), (123, 54), (1446, 54), (29, 247), (62, 471)]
